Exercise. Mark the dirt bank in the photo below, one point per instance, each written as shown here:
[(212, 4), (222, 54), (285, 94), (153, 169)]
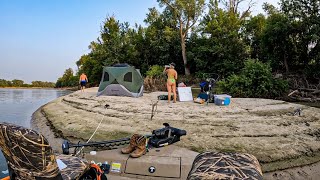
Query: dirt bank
[(264, 128)]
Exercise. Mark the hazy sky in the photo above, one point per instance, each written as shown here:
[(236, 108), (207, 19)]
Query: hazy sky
[(40, 39)]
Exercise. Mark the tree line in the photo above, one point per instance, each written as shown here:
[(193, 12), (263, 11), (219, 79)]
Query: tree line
[(21, 83), (214, 37)]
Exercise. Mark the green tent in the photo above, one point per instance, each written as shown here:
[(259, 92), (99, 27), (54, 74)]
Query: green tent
[(121, 80)]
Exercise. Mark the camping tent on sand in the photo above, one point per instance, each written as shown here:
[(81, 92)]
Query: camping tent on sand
[(121, 80)]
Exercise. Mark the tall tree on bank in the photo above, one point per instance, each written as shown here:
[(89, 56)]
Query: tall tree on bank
[(186, 13), (304, 19), (219, 46)]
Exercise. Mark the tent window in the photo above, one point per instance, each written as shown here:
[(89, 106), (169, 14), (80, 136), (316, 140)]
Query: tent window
[(106, 76), (128, 77)]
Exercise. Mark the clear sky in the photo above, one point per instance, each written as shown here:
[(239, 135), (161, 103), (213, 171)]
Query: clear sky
[(40, 39)]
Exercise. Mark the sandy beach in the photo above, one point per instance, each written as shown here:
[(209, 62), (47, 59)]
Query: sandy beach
[(287, 146)]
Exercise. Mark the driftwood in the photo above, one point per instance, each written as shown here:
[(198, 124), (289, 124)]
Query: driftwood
[(302, 90), (302, 99), (293, 92), (307, 90), (154, 108), (305, 95), (316, 92)]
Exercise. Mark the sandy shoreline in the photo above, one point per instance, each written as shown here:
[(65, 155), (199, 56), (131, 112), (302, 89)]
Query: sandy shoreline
[(264, 128)]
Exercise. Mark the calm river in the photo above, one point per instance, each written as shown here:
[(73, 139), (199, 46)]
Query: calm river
[(17, 106)]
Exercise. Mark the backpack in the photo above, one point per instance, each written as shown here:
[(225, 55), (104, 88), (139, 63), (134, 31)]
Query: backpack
[(94, 173)]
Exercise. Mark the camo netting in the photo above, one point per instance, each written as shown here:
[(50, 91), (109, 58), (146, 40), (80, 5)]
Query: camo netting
[(236, 166), (29, 155)]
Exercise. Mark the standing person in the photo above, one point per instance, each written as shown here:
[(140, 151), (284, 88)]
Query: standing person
[(171, 82), (83, 81)]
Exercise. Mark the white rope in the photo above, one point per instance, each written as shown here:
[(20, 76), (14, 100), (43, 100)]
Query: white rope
[(92, 134)]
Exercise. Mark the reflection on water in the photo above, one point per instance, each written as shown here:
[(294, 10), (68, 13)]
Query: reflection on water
[(17, 96), (17, 106)]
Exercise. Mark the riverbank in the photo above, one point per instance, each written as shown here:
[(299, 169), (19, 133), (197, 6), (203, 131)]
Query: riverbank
[(28, 88), (264, 128), (45, 88)]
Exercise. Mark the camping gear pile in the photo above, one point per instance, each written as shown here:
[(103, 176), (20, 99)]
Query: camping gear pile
[(207, 88), (207, 95)]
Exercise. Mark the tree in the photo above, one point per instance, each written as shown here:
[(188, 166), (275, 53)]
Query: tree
[(5, 83), (17, 83), (254, 29), (42, 84), (254, 80), (304, 18), (277, 43), (220, 47), (186, 13), (68, 79), (162, 42), (232, 6)]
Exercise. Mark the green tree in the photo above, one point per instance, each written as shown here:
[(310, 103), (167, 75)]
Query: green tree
[(220, 47), (67, 79), (278, 43), (17, 83), (254, 29), (304, 18), (186, 13), (254, 80), (5, 83), (42, 84), (161, 40)]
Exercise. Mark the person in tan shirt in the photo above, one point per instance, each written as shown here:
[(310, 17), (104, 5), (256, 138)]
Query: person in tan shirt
[(83, 81), (171, 82)]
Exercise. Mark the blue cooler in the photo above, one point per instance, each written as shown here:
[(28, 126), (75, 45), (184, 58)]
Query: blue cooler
[(222, 99)]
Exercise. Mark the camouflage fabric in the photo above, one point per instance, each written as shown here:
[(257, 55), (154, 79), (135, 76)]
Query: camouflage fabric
[(76, 167), (236, 166), (28, 154)]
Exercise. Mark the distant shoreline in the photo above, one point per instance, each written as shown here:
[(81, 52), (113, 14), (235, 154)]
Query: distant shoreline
[(67, 88)]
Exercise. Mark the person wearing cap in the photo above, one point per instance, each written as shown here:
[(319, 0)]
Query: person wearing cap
[(171, 81)]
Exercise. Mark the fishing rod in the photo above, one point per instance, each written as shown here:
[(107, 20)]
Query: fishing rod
[(158, 138), (66, 145)]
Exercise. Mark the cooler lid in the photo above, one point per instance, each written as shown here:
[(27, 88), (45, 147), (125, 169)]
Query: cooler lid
[(156, 166)]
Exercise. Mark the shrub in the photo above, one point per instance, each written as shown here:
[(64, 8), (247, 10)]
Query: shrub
[(155, 71), (255, 80)]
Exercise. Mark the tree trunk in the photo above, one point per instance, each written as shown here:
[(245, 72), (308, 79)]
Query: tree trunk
[(286, 63), (184, 57)]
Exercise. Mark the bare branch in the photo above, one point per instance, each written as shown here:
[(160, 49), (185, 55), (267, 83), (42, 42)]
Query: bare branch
[(173, 8), (246, 12)]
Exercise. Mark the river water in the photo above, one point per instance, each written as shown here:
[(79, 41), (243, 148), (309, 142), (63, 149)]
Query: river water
[(17, 106)]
